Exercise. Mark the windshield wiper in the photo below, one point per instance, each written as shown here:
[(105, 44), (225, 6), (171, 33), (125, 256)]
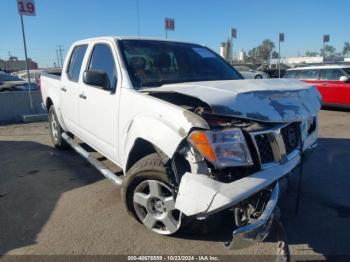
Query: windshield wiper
[(164, 82), (161, 82)]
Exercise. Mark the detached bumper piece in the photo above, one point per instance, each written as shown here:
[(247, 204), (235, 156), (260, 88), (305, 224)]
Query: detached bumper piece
[(202, 196), (257, 230)]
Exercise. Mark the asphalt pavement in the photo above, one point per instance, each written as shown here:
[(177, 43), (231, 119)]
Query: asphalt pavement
[(54, 203)]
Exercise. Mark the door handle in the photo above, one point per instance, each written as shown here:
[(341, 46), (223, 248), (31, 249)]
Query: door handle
[(82, 96), (63, 89), (324, 84)]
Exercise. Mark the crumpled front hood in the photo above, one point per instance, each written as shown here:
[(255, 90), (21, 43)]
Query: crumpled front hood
[(272, 100)]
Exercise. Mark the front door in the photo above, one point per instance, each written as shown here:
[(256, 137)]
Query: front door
[(330, 86), (98, 108)]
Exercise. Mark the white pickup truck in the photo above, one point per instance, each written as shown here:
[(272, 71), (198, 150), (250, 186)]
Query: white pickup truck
[(192, 137)]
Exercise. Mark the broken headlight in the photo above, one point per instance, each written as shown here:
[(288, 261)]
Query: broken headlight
[(224, 148)]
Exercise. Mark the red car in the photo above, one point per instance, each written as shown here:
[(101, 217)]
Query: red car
[(333, 82)]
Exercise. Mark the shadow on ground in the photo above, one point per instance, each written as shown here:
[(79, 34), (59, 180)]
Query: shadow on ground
[(31, 182)]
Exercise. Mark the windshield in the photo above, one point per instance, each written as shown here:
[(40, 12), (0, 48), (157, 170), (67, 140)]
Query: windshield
[(347, 70), (242, 68), (153, 63)]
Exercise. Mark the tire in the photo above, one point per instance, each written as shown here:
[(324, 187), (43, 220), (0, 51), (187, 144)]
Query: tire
[(258, 77), (156, 212), (56, 130)]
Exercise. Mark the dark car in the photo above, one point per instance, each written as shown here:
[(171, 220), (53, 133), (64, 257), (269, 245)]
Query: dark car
[(13, 83), (272, 70)]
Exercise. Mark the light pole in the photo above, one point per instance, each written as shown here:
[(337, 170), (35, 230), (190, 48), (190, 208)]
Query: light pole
[(233, 35), (280, 39), (325, 40), (169, 26), (27, 66)]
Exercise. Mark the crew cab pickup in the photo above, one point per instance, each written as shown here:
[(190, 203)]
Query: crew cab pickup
[(192, 137)]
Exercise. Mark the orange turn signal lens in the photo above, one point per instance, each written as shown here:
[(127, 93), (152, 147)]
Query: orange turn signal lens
[(201, 142)]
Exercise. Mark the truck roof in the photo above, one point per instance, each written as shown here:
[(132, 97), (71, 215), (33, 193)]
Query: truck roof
[(113, 38)]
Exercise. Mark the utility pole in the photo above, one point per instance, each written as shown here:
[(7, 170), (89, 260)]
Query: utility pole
[(60, 49), (58, 59)]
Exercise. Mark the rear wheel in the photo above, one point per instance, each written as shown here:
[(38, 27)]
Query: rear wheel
[(56, 130), (148, 195), (258, 77)]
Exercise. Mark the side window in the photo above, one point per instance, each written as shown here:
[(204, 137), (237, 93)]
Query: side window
[(308, 74), (102, 59), (331, 74), (75, 62), (290, 74)]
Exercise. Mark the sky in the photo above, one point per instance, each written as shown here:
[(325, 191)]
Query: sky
[(61, 22)]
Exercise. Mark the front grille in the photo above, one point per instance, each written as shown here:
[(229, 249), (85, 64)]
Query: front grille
[(291, 137), (264, 147)]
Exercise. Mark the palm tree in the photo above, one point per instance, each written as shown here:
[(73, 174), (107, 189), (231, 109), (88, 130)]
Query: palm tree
[(346, 48)]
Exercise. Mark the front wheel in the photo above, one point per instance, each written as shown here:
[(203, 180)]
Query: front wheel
[(258, 77), (149, 196)]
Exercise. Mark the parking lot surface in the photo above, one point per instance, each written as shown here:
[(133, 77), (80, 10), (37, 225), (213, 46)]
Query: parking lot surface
[(54, 202)]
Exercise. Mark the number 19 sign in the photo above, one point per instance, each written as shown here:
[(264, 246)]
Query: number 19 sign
[(26, 7)]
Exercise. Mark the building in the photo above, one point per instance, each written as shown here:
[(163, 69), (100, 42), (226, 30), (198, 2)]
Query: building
[(294, 60), (241, 57), (226, 51), (13, 64)]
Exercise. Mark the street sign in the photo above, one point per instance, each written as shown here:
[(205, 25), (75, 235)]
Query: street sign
[(26, 7), (281, 37), (325, 38), (233, 33), (169, 24)]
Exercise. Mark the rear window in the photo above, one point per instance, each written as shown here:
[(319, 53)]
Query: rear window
[(75, 62)]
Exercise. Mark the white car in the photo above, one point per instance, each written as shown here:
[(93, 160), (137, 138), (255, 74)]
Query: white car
[(248, 73), (191, 139), (34, 75)]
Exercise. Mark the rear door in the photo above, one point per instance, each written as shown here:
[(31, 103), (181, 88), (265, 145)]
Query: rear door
[(330, 86), (98, 108), (344, 89), (310, 76), (70, 88)]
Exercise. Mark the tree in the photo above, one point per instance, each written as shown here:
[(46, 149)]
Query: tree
[(346, 49), (274, 55), (329, 50), (266, 48), (263, 51), (311, 53)]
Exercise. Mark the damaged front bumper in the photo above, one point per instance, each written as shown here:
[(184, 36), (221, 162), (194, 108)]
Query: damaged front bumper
[(257, 230), (202, 196)]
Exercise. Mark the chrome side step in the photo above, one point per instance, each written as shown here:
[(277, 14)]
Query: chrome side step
[(93, 161)]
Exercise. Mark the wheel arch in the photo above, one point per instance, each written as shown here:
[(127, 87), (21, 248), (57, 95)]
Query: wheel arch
[(140, 149)]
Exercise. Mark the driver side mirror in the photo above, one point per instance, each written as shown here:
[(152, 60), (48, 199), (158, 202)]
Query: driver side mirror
[(97, 78), (344, 79)]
